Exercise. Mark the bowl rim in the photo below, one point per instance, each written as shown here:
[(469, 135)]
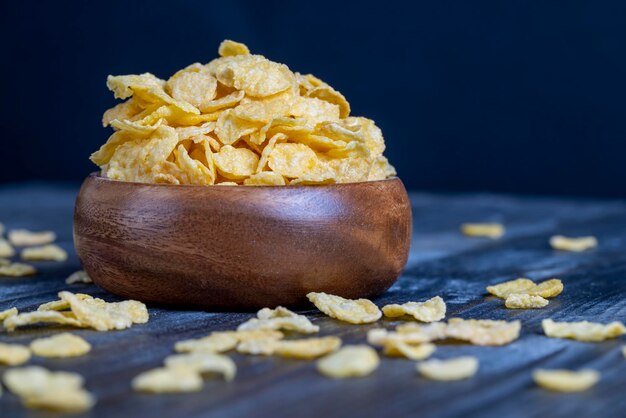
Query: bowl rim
[(97, 175)]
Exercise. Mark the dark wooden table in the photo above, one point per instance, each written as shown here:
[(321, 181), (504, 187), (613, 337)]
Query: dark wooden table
[(442, 263)]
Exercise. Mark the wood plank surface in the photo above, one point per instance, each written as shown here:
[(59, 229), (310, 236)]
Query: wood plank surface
[(442, 262)]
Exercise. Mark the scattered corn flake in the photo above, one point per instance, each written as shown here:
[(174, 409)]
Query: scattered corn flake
[(8, 313), (168, 380), (13, 354), (60, 346), (307, 348), (579, 244), (41, 388), (489, 230), (24, 237), (216, 342), (524, 301), (583, 330), (17, 270), (279, 319), (432, 310), (29, 318), (349, 361), (104, 316), (410, 333), (204, 362), (411, 351), (79, 276), (545, 289), (358, 311), (49, 252), (6, 249), (446, 370), (560, 380), (483, 331), (265, 347), (61, 305)]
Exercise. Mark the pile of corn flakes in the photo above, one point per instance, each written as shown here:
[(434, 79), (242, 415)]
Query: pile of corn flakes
[(240, 119)]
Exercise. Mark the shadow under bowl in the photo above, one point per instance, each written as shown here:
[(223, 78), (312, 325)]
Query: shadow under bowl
[(241, 246)]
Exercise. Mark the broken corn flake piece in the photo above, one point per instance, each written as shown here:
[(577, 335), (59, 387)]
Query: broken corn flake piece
[(25, 238), (349, 361), (578, 244), (168, 380), (409, 333), (307, 348), (432, 310), (279, 319), (483, 331), (546, 289), (8, 313), (357, 311), (560, 380), (29, 318), (446, 370), (583, 330), (523, 301), (204, 363), (78, 277), (489, 230), (412, 352), (6, 249), (17, 270), (13, 354), (49, 252), (60, 346), (216, 342), (42, 389)]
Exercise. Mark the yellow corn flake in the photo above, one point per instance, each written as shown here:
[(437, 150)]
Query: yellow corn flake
[(489, 230), (349, 361), (216, 342), (123, 111), (225, 102), (578, 244), (265, 178), (359, 311), (78, 277), (49, 252), (235, 163), (13, 354), (23, 237), (432, 310), (307, 348), (381, 169), (136, 129), (410, 351), (204, 363), (6, 250), (257, 347), (168, 380), (483, 331), (229, 48), (8, 313), (292, 160), (194, 87), (330, 95), (524, 301), (61, 305), (60, 346), (279, 319), (566, 380), (446, 370), (43, 389), (29, 318), (17, 270), (522, 286), (583, 331), (255, 75), (410, 333), (104, 316)]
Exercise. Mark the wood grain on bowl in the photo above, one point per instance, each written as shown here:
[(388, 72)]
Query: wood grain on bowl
[(240, 246)]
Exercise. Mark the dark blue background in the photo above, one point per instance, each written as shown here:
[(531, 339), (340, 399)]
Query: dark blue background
[(516, 96)]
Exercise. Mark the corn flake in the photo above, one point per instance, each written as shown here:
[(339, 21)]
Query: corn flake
[(524, 301), (60, 346), (6, 250), (229, 48), (579, 244), (583, 331), (216, 342), (29, 318), (23, 237), (279, 319), (8, 313), (432, 310), (235, 163), (410, 351), (203, 363), (49, 252), (446, 370), (13, 354), (17, 270), (168, 380), (349, 361), (483, 331), (359, 311), (545, 289), (292, 160), (307, 348), (80, 276), (489, 230), (566, 380)]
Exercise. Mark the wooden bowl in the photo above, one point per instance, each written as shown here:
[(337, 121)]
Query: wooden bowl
[(241, 246)]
